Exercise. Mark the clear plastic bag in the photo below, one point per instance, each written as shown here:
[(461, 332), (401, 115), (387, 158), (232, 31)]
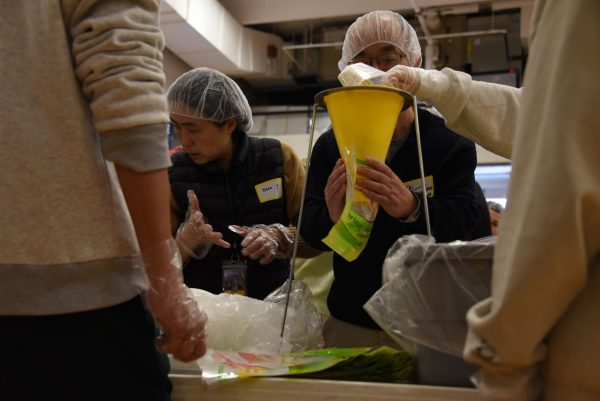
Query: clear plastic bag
[(239, 323), (428, 289), (303, 324)]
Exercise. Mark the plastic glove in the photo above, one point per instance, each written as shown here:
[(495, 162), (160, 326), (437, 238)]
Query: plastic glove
[(265, 242), (195, 236), (405, 78), (181, 320)]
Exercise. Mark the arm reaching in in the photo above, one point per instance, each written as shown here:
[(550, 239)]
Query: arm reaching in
[(117, 53), (483, 112), (180, 318)]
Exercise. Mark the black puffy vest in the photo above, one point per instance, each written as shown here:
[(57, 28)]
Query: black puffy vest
[(231, 198)]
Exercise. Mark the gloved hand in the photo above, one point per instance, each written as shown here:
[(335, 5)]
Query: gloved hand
[(195, 236), (405, 78), (431, 86), (181, 320), (265, 242)]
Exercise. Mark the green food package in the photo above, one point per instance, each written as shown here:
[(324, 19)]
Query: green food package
[(349, 236), (382, 364)]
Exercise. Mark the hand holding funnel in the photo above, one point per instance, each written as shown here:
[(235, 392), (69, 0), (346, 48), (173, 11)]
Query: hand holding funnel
[(363, 120)]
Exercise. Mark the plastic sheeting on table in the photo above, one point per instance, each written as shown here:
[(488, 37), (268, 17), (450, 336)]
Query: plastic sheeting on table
[(239, 323)]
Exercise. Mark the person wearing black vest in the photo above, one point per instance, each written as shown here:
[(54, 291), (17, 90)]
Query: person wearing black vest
[(233, 196)]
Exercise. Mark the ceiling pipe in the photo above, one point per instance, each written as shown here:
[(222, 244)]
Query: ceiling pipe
[(311, 45), (467, 34), (440, 36), (431, 50), (288, 48)]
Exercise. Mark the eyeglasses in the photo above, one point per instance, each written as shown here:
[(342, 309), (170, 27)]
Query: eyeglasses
[(384, 61)]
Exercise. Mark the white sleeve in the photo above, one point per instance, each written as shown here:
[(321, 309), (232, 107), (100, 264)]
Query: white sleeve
[(483, 112)]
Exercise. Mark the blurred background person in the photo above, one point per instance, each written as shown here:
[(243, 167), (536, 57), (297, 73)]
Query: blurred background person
[(496, 211), (83, 88)]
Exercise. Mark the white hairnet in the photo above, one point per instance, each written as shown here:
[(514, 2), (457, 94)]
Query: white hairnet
[(210, 95), (381, 27)]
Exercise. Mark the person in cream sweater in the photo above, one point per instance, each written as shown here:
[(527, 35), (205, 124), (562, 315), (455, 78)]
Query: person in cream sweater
[(537, 336), (83, 155)]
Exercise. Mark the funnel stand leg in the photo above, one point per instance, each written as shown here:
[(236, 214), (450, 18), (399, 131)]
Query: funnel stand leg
[(423, 183), (297, 236)]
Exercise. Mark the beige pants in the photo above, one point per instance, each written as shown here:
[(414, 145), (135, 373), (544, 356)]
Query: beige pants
[(339, 334)]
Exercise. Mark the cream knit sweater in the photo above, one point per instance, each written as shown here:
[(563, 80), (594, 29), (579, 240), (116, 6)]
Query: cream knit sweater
[(540, 330)]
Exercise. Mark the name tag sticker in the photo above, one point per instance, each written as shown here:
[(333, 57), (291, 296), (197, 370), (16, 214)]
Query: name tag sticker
[(269, 190), (417, 185)]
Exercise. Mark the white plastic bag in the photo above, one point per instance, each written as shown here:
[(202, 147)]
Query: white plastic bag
[(239, 323)]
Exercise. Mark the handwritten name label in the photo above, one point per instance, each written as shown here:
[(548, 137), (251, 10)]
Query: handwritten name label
[(269, 190)]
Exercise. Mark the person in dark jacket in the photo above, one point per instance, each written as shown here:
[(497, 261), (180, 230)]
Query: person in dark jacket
[(233, 196), (383, 39)]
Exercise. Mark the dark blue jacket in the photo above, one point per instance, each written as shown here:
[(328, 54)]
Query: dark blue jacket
[(454, 210)]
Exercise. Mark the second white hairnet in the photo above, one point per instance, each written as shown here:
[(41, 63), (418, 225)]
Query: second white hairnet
[(209, 95), (381, 27)]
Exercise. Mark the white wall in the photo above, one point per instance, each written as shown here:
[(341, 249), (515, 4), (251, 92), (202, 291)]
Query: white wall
[(173, 66), (484, 156)]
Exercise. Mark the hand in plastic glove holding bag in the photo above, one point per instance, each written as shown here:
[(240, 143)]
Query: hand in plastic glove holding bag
[(265, 242), (379, 184), (195, 236), (178, 315)]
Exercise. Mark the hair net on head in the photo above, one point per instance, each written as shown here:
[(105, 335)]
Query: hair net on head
[(381, 27), (210, 95)]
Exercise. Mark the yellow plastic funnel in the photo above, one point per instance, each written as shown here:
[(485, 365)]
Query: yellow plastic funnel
[(363, 120)]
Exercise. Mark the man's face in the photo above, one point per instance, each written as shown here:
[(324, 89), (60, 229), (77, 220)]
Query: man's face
[(382, 56), (495, 219)]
